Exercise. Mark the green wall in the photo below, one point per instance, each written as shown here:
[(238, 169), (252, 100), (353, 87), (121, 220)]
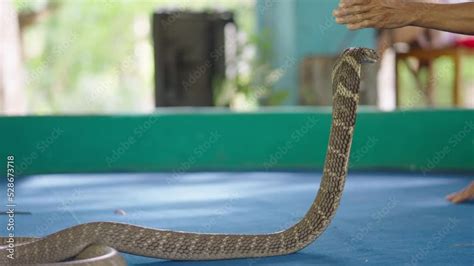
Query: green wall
[(207, 140)]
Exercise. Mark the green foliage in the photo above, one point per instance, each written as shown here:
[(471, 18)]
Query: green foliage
[(97, 55), (256, 86)]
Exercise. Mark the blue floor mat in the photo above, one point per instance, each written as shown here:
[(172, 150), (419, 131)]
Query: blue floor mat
[(384, 218)]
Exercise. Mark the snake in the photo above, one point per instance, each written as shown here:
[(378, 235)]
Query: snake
[(100, 243)]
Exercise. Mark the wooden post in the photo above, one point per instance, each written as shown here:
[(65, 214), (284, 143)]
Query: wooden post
[(397, 81), (12, 94), (457, 78)]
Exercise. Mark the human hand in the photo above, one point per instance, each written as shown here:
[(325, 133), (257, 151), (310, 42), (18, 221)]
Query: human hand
[(462, 196), (380, 14)]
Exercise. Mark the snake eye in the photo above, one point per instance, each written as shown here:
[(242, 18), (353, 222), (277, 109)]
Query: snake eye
[(370, 56)]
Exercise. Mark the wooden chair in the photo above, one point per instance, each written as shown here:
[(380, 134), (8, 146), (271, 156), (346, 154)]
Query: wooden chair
[(427, 57)]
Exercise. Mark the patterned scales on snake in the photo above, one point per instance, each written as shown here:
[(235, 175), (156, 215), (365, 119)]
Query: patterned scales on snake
[(96, 242)]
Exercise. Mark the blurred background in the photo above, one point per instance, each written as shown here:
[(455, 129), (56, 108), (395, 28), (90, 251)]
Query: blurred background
[(121, 56)]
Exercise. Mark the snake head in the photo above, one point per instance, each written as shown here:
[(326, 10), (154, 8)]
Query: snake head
[(363, 55)]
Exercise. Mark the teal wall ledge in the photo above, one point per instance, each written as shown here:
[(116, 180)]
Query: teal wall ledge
[(204, 140)]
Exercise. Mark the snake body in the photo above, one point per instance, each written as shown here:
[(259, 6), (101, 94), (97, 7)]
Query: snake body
[(94, 241)]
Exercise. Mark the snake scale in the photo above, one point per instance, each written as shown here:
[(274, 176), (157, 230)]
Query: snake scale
[(97, 242)]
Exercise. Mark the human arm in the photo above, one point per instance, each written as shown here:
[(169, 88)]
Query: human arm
[(389, 14)]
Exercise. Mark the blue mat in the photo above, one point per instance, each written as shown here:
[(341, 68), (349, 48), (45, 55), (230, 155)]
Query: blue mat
[(384, 218)]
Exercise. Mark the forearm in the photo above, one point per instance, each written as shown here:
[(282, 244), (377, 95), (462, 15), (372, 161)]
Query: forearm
[(458, 18), (383, 14)]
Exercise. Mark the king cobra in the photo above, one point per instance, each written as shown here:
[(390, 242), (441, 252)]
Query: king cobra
[(97, 243)]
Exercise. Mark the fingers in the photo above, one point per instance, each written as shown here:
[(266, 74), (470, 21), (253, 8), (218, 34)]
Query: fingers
[(451, 196), (348, 3), (454, 197), (457, 199), (359, 21), (352, 10), (354, 13), (354, 19), (379, 14), (460, 197), (362, 25)]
